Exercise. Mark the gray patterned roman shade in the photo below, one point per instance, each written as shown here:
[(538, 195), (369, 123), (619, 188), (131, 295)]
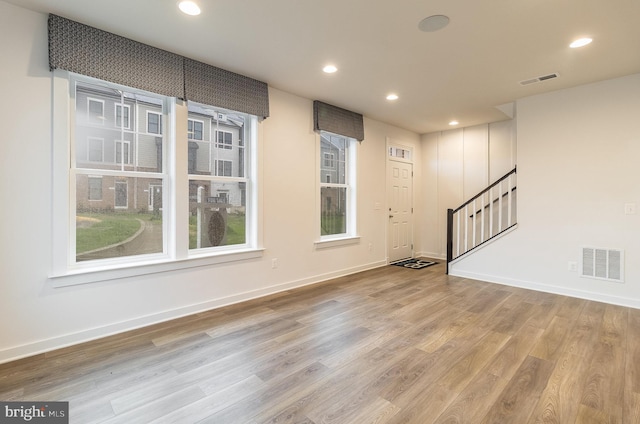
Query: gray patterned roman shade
[(214, 86), (85, 50), (331, 118)]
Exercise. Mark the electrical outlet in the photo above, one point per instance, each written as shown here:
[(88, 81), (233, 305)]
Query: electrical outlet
[(274, 263), (572, 266), (370, 247)]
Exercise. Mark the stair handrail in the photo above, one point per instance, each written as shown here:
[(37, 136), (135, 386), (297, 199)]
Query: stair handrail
[(450, 213)]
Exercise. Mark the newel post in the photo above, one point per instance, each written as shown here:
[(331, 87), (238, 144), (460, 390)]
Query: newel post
[(449, 237)]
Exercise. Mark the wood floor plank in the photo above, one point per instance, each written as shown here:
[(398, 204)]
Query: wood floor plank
[(473, 403), (389, 345), (604, 386), (520, 396), (560, 401)]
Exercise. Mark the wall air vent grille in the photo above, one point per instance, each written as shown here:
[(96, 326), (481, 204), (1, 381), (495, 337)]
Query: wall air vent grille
[(603, 264), (539, 79)]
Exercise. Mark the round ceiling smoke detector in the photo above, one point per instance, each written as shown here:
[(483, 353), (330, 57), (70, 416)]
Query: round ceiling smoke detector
[(433, 23)]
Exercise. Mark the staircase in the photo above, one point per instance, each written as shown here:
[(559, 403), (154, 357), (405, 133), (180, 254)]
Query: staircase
[(482, 218)]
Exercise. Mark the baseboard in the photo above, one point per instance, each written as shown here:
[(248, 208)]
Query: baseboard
[(547, 288), (431, 255), (47, 345)]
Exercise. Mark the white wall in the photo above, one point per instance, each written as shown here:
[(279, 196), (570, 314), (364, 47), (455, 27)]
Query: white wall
[(456, 165), (36, 317), (578, 165)]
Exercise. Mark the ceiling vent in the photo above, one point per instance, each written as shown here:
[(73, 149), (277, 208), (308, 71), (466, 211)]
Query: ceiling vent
[(539, 79)]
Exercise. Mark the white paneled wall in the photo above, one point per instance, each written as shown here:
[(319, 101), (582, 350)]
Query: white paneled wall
[(457, 164)]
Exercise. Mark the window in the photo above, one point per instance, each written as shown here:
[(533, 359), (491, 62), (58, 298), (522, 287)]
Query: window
[(95, 188), (122, 194), (95, 111), (217, 181), (95, 149), (224, 168), (116, 220), (329, 159), (122, 116), (224, 139), (123, 152), (337, 186), (195, 129), (154, 123)]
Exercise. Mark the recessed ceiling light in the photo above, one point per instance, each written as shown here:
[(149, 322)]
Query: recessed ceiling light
[(189, 7), (452, 123), (580, 43), (329, 69), (392, 97), (433, 23)]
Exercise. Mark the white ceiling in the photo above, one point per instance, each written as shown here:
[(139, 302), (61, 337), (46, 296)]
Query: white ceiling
[(461, 72)]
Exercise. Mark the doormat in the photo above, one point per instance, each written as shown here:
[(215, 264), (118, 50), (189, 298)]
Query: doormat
[(414, 263)]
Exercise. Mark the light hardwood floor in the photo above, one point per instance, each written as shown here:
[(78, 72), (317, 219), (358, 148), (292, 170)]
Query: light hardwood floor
[(390, 345)]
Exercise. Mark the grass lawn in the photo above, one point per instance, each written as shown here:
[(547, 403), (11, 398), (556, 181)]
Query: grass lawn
[(94, 231), (332, 224)]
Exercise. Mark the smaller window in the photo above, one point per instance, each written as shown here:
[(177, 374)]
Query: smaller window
[(154, 123), (96, 111), (123, 152), (122, 116), (95, 149), (195, 129), (95, 188), (329, 160), (224, 168), (121, 193), (224, 139)]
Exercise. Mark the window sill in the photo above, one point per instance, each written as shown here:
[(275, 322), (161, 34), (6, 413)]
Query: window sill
[(94, 275), (336, 242)]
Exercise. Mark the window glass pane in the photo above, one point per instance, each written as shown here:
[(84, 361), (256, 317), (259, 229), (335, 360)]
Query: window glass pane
[(116, 143), (94, 188), (333, 218), (217, 213), (216, 145), (117, 216), (333, 151)]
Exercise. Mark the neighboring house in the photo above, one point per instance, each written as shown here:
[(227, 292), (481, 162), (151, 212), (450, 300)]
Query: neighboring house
[(117, 131), (216, 148), (123, 131)]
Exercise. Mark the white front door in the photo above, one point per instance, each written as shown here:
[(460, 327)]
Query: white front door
[(400, 228)]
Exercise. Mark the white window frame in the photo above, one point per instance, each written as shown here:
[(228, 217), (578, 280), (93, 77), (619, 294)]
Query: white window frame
[(94, 177), (99, 120), (192, 133), (129, 157), (223, 145), (115, 194), (66, 272), (127, 123), (149, 112), (329, 160), (223, 162), (350, 236), (89, 150)]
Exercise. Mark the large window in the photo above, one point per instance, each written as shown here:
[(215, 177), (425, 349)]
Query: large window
[(127, 187), (337, 185)]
